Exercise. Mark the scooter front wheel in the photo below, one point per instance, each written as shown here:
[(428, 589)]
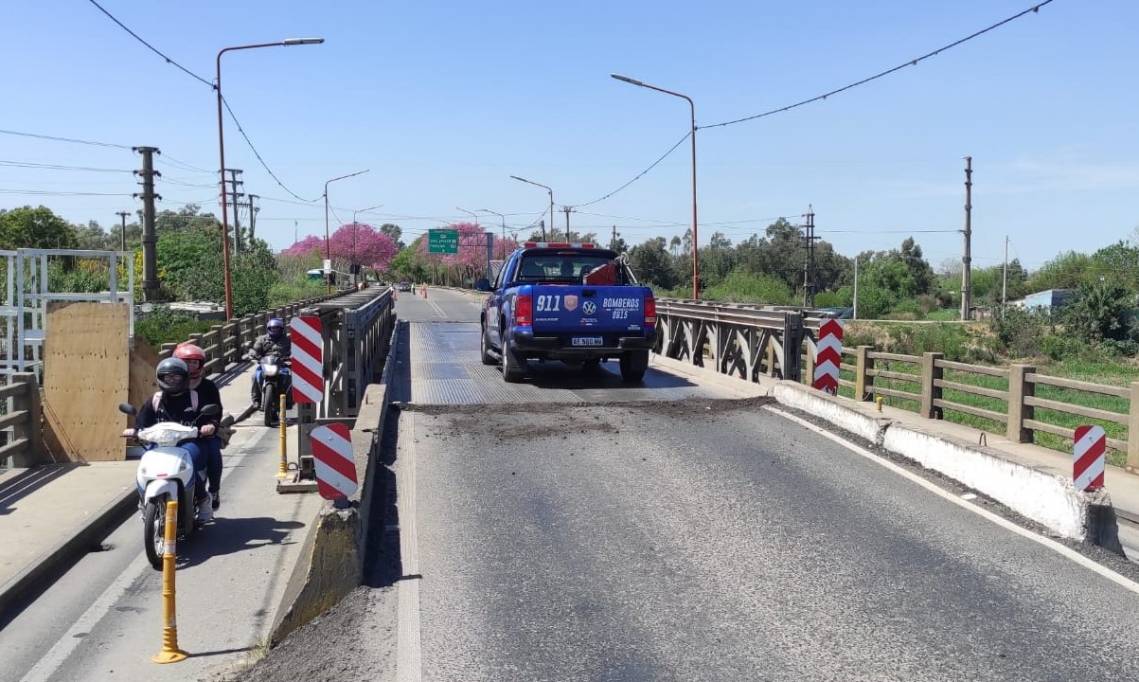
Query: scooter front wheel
[(154, 531), (269, 404)]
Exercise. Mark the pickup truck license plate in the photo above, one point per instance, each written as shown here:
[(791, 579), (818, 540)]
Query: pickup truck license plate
[(586, 341)]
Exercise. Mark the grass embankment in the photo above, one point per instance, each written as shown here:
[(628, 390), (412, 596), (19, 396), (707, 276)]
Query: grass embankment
[(965, 344)]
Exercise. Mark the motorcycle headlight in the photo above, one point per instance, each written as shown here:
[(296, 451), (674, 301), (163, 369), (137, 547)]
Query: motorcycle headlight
[(270, 370)]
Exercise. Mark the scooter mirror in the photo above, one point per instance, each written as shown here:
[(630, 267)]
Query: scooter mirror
[(127, 408), (211, 410)]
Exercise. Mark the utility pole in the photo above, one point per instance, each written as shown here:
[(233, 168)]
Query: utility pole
[(252, 216), (1004, 276), (567, 210), (809, 265), (967, 257), (149, 238), (542, 223), (123, 233), (613, 240), (234, 195), (295, 232), (856, 286)]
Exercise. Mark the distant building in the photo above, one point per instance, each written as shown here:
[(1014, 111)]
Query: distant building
[(1049, 299)]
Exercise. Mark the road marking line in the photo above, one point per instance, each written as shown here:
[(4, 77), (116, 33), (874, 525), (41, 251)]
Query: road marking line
[(437, 309), (409, 660), (1060, 549)]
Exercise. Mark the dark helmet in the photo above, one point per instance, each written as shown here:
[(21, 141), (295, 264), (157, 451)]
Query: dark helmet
[(173, 376), (276, 327)]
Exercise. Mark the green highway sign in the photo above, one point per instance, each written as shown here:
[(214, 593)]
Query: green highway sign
[(443, 241)]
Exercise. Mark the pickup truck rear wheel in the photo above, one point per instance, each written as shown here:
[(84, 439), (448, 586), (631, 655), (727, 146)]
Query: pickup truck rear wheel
[(633, 366), (513, 367), (484, 349)]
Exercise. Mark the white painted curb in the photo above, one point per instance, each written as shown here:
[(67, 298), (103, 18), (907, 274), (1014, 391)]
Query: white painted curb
[(1037, 494)]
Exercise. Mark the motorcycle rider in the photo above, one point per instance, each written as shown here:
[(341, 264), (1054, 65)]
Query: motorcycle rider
[(273, 342), (177, 402), (208, 394)]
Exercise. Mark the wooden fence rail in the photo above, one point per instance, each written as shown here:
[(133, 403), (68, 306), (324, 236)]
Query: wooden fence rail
[(921, 381)]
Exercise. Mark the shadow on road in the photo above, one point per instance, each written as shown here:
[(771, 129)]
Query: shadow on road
[(560, 375), (27, 482), (382, 563), (230, 535)]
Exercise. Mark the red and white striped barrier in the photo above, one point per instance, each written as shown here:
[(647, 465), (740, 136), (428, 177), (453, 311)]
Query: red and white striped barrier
[(335, 465), (828, 357), (308, 359), (1089, 455)]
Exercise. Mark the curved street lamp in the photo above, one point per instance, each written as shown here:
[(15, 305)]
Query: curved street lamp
[(228, 278), (538, 184), (695, 232)]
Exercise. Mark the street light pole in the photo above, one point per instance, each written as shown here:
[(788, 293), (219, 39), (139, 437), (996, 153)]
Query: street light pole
[(551, 192), (692, 134), (327, 243), (502, 249), (354, 213), (227, 276)]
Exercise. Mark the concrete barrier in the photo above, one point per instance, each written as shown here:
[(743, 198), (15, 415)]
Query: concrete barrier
[(1037, 493), (331, 562), (1042, 494)]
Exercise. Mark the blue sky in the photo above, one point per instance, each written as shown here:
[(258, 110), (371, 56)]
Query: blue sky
[(444, 101)]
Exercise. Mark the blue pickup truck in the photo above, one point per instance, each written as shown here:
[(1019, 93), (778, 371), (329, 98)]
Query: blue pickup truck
[(569, 302)]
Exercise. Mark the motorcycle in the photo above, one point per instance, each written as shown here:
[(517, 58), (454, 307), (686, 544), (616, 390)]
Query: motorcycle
[(166, 472), (276, 379)]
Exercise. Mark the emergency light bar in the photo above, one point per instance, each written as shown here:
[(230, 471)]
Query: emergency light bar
[(557, 245)]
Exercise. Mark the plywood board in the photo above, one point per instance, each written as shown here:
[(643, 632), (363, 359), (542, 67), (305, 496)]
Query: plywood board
[(144, 360), (86, 376)]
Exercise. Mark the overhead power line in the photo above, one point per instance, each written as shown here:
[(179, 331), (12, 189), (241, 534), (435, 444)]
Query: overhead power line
[(72, 140), (638, 176), (881, 74), (212, 86), (52, 193), (257, 154), (152, 48), (53, 166)]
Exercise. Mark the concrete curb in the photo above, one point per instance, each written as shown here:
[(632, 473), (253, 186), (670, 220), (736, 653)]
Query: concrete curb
[(39, 575), (1035, 492), (331, 561)]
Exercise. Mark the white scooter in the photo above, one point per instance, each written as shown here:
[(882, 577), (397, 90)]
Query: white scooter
[(166, 472)]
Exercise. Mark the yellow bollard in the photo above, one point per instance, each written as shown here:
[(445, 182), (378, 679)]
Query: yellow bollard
[(283, 468), (170, 652), (878, 401)]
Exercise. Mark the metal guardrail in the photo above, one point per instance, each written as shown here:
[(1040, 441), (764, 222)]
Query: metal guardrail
[(740, 340), (746, 341), (356, 329)]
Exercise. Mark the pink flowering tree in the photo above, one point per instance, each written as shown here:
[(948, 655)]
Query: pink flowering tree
[(470, 262), (360, 243)]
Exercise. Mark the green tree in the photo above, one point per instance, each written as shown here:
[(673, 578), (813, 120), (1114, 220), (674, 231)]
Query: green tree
[(652, 263), (35, 228), (395, 232), (1100, 312)]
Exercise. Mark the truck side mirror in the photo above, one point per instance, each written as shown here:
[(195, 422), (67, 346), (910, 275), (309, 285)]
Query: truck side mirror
[(482, 284)]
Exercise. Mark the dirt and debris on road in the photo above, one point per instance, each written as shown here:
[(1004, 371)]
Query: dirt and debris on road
[(363, 625)]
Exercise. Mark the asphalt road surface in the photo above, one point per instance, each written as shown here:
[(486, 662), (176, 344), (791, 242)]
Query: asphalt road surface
[(696, 539)]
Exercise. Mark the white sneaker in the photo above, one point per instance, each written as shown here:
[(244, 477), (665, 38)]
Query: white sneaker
[(205, 509)]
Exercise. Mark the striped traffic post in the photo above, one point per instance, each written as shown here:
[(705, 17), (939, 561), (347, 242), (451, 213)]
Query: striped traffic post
[(335, 463), (306, 334), (828, 357), (1089, 454)]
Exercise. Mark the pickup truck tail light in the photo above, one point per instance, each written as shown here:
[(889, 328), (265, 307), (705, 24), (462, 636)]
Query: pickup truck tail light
[(523, 310), (650, 311)]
